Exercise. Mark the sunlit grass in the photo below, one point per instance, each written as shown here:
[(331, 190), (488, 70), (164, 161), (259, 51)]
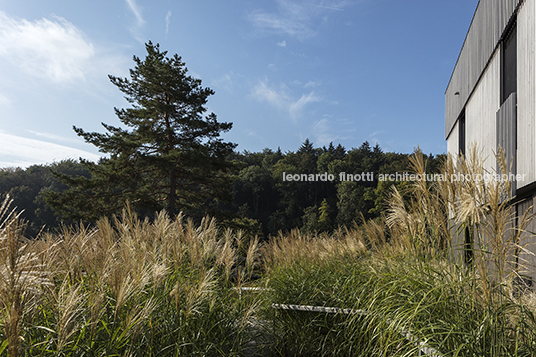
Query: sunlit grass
[(168, 287), (124, 287), (408, 280)]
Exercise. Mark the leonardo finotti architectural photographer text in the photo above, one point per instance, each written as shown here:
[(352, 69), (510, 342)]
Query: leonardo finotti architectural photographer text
[(399, 176), (343, 176)]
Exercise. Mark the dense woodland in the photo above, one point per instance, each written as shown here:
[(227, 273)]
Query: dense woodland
[(169, 155), (260, 201)]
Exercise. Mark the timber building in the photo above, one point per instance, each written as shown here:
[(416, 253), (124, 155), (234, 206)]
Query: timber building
[(491, 96)]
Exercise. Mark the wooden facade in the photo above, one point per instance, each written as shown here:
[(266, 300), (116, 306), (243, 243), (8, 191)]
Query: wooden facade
[(490, 21), (491, 100), (526, 93)]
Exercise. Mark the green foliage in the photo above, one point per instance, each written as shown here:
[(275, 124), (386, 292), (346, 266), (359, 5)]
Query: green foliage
[(262, 202), (125, 288), (324, 219), (310, 219), (437, 301), (27, 188), (408, 290), (168, 156)]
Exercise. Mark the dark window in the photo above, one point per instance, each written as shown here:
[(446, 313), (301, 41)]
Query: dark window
[(469, 250), (461, 134), (509, 65)]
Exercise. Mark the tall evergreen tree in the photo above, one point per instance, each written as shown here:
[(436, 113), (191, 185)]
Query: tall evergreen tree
[(169, 155)]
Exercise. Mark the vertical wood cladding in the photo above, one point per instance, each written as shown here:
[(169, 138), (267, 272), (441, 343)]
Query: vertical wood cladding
[(480, 112), (527, 256), (507, 135), (526, 92), (489, 23)]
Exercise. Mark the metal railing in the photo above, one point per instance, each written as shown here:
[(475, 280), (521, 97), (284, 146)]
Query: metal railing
[(423, 349)]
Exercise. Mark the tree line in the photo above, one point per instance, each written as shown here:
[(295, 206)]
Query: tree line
[(259, 199), (169, 155)]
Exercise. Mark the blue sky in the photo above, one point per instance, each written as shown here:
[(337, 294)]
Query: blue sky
[(342, 71)]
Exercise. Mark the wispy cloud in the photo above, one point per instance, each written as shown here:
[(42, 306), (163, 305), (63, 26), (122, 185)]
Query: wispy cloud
[(297, 18), (283, 101), (374, 137), (322, 132), (311, 84), (136, 11), (282, 44), (228, 81), (328, 129), (4, 101), (53, 137), (168, 20), (278, 99), (135, 30), (296, 108), (17, 151), (51, 49)]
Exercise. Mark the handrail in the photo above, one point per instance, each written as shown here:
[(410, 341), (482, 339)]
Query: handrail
[(336, 310), (428, 351)]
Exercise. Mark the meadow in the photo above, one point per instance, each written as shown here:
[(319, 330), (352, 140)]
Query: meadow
[(169, 287)]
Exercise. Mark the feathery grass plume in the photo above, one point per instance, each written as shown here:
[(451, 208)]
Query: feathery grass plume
[(374, 233), (421, 223), (252, 256), (430, 207), (473, 193), (131, 286), (177, 252), (285, 250), (22, 276), (73, 251), (192, 239), (398, 219), (353, 243), (200, 293), (227, 258), (138, 316), (482, 207), (69, 306), (96, 303)]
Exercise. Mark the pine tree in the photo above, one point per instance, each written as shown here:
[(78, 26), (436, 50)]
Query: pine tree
[(169, 155)]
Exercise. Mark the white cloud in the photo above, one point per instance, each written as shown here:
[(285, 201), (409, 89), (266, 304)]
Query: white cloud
[(228, 81), (4, 101), (277, 99), (296, 18), (282, 44), (322, 132), (296, 108), (136, 11), (55, 50), (311, 84), (135, 30), (374, 138), (168, 20), (54, 137), (281, 100), (22, 152)]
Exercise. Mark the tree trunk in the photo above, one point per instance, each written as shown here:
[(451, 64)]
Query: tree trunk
[(172, 194)]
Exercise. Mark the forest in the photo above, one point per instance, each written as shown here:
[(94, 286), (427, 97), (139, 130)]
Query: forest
[(169, 155), (176, 244), (261, 201)]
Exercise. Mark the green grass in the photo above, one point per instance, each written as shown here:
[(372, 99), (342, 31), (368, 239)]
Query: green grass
[(407, 278), (167, 287), (124, 288)]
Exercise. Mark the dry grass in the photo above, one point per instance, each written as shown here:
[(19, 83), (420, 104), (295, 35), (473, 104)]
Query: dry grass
[(296, 246), (402, 270), (124, 286)]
